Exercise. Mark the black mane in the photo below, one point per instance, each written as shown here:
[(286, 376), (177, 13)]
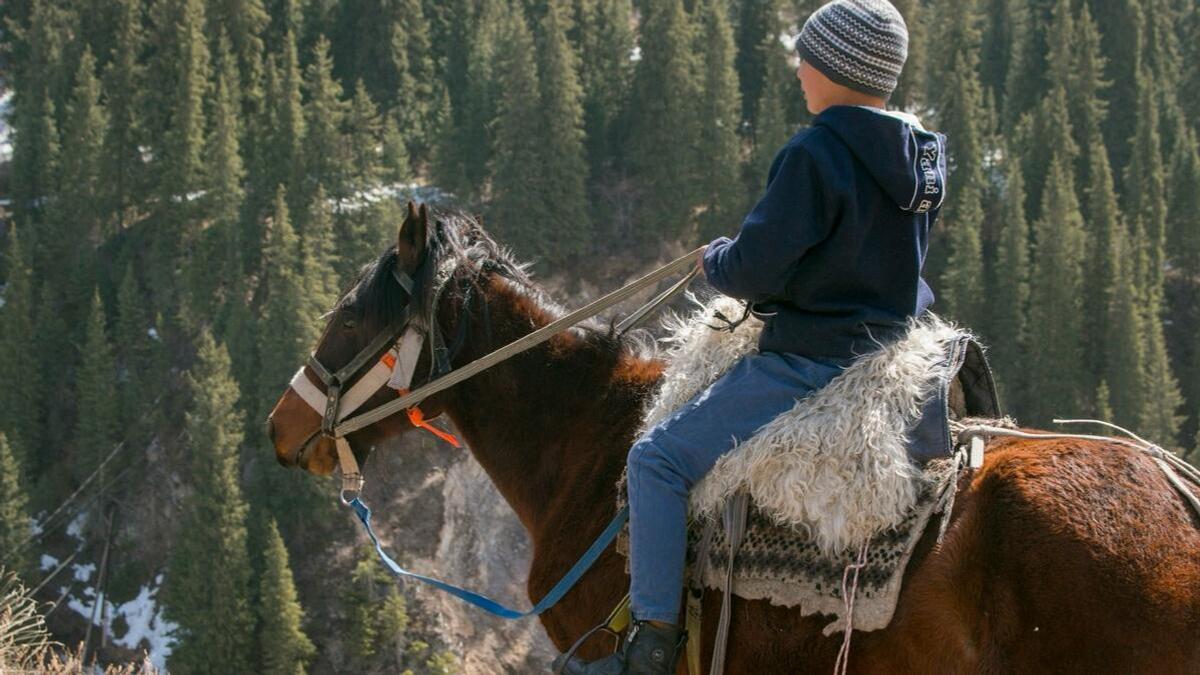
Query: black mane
[(456, 242)]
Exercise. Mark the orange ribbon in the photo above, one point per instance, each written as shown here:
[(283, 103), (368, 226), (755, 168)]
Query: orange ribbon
[(417, 419)]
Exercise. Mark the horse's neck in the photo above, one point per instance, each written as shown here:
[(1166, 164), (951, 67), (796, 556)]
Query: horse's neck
[(550, 426)]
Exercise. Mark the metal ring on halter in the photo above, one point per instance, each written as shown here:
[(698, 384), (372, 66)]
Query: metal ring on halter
[(352, 485)]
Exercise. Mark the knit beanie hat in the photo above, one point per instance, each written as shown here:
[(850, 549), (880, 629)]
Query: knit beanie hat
[(860, 44)]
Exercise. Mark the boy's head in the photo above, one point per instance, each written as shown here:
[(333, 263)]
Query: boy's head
[(852, 52)]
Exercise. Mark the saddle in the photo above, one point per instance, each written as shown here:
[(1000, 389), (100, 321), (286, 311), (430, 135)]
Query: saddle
[(850, 477)]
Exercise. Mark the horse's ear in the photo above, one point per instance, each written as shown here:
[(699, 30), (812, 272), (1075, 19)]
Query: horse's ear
[(410, 243)]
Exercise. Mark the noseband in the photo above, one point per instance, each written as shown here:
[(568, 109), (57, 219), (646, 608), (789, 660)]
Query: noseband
[(392, 356)]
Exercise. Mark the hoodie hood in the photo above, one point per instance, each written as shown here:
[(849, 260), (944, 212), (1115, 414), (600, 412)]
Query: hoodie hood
[(907, 161)]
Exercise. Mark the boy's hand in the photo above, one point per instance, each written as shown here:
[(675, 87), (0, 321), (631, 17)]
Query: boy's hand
[(700, 260)]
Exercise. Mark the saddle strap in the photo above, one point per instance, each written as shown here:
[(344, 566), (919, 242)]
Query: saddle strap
[(695, 596), (735, 530)]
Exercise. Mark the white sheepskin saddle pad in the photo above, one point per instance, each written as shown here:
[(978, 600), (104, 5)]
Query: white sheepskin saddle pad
[(831, 474)]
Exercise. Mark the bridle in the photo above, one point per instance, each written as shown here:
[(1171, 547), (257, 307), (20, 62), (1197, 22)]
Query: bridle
[(401, 346), (392, 359), (403, 343)]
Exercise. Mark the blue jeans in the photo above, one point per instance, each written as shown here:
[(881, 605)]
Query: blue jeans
[(674, 455)]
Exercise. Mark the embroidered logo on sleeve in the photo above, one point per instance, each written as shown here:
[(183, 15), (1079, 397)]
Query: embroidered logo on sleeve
[(932, 190)]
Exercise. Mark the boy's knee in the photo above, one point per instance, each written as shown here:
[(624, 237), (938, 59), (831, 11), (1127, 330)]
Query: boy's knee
[(649, 460), (644, 456)]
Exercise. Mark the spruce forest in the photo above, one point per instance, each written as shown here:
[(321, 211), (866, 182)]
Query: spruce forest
[(187, 185)]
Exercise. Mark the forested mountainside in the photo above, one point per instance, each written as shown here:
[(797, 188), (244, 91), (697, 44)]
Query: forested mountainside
[(186, 186)]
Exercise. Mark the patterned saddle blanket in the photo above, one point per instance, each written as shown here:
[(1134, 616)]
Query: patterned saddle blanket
[(859, 468)]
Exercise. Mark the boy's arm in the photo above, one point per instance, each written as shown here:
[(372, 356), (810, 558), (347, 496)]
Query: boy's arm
[(793, 216)]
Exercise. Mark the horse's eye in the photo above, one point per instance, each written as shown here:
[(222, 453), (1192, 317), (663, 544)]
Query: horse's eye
[(349, 324)]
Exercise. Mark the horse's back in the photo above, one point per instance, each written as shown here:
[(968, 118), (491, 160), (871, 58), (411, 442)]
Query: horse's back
[(1062, 556)]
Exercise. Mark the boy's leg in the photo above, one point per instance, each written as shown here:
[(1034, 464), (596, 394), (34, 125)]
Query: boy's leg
[(674, 455)]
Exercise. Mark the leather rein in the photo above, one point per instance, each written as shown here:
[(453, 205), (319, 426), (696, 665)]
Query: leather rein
[(392, 358)]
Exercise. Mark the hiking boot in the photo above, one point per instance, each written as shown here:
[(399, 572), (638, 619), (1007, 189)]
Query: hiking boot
[(647, 650)]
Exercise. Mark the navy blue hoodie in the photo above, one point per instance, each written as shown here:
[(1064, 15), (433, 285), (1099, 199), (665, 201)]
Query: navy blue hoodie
[(831, 256)]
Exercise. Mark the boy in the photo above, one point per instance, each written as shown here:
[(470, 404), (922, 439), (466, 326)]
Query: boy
[(831, 259)]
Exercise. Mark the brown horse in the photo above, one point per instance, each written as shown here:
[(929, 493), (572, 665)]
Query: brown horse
[(1062, 556)]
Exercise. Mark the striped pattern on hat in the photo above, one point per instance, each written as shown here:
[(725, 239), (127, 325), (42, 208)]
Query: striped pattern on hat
[(860, 44)]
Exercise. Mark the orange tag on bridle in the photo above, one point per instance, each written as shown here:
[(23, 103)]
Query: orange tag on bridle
[(417, 419)]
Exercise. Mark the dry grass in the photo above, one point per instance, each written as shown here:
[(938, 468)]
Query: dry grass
[(26, 646)]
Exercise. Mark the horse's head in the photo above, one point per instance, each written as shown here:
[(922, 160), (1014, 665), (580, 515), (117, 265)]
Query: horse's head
[(392, 296)]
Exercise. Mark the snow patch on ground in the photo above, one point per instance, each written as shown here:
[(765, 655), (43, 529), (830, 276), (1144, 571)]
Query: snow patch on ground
[(75, 529), (47, 563), (145, 626), (84, 572), (397, 191), (5, 130)]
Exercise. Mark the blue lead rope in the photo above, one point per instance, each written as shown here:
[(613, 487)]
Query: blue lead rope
[(487, 604)]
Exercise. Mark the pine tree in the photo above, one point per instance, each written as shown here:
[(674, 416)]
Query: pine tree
[(1009, 299), (1102, 409), (216, 256), (1028, 76), (908, 90), (15, 524), (720, 105), (180, 159), (81, 209), (1003, 22), (183, 159), (226, 173), (98, 423), (1053, 131), (1161, 398), (1088, 108), (140, 358), (20, 345), (38, 58), (287, 17), (326, 156), (565, 229), (1184, 211), (377, 611), (517, 172), (605, 71), (1122, 42), (663, 123), (288, 332), (394, 160), (772, 128), (1146, 202), (363, 139), (283, 646), (289, 142), (465, 154), (238, 329), (1124, 353), (1055, 289), (1105, 243), (318, 257), (53, 348), (757, 36), (123, 83), (1145, 196), (960, 117), (1189, 88), (243, 23), (420, 92), (208, 577)]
